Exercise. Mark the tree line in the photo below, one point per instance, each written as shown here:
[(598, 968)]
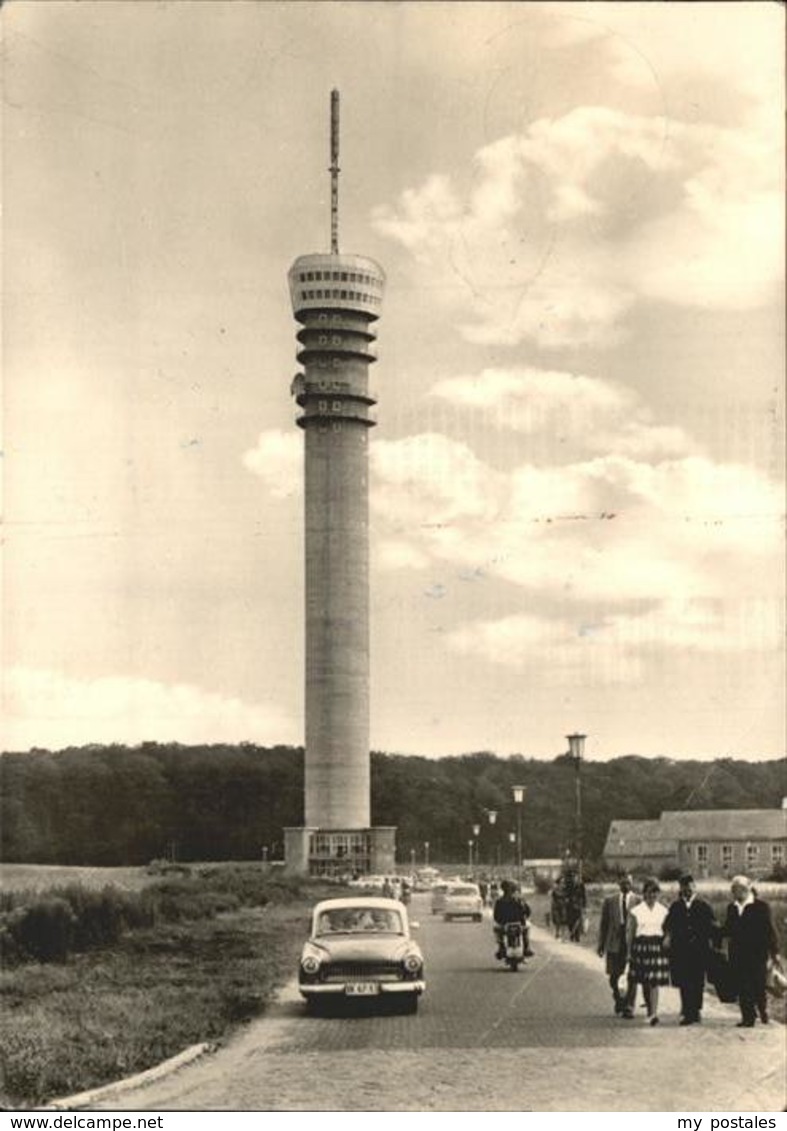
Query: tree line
[(115, 805)]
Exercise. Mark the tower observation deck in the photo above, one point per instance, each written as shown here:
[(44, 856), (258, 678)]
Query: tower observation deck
[(336, 300)]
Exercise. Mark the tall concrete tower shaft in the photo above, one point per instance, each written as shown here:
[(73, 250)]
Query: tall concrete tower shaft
[(336, 300)]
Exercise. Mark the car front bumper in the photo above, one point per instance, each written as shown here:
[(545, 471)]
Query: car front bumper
[(311, 989)]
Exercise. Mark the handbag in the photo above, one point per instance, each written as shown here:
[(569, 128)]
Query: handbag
[(775, 981)]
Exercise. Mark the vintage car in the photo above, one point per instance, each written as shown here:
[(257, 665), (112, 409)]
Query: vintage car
[(463, 900), (361, 947)]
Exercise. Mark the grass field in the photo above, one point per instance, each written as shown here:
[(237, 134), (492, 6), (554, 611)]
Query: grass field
[(38, 877), (108, 1013)]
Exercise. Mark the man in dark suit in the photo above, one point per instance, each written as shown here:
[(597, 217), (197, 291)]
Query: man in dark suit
[(612, 945), (752, 941), (689, 930)]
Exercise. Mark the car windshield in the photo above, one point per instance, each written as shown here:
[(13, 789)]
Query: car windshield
[(462, 891), (359, 920)]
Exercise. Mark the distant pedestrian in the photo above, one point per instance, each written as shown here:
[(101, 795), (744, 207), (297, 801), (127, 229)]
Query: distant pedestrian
[(752, 941), (689, 929), (557, 909), (648, 961), (613, 944), (575, 905)]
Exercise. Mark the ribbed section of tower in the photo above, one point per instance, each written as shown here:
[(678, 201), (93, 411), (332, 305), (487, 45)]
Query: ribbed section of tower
[(336, 299)]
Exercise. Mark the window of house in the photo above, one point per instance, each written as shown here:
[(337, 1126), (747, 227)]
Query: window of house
[(322, 406), (777, 853), (752, 854), (337, 406), (726, 856), (702, 854)]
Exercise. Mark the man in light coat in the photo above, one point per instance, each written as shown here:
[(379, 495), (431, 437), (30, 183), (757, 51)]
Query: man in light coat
[(612, 945)]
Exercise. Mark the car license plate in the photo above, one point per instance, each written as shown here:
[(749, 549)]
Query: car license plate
[(361, 989)]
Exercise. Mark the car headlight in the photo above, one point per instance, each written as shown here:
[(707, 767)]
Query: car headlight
[(311, 959), (412, 963)]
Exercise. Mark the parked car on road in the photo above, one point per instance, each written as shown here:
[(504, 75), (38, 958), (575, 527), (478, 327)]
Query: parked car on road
[(463, 901), (361, 947)]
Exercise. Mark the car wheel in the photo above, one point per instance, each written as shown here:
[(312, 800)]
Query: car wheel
[(478, 918), (409, 1003)]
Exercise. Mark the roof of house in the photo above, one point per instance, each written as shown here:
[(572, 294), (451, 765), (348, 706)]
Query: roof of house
[(639, 838), (726, 824)]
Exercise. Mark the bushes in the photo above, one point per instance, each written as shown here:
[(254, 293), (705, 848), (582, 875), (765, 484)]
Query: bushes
[(48, 926)]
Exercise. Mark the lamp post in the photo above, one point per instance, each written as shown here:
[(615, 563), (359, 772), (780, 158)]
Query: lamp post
[(576, 747), (512, 842), (477, 834), (470, 854), (491, 815), (426, 853), (519, 797)]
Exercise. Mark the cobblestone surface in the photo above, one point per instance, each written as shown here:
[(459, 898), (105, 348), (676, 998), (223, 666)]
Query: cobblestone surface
[(485, 1040)]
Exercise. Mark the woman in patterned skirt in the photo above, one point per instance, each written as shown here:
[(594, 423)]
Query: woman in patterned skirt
[(648, 963)]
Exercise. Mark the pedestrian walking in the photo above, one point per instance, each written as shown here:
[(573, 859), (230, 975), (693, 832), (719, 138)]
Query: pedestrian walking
[(575, 905), (751, 942), (557, 909), (613, 945), (648, 961), (689, 929)]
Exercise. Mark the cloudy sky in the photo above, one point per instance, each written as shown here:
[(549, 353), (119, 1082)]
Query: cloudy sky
[(576, 481)]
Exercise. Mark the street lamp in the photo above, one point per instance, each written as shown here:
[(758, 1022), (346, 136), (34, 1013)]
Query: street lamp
[(492, 818), (477, 834), (576, 748), (519, 792), (426, 853)]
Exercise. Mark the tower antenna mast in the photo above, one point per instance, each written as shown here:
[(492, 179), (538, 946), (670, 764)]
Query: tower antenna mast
[(334, 170)]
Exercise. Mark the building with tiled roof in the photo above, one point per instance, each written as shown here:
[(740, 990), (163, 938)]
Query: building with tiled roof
[(706, 842)]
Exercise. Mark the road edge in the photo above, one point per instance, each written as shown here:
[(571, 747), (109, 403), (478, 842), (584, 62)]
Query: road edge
[(105, 1091)]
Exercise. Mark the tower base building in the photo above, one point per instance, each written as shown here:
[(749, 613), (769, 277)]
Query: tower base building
[(340, 852)]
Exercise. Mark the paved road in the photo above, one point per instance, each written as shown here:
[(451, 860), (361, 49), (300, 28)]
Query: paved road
[(485, 1039)]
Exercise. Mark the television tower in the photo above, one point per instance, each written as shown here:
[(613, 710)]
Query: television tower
[(336, 299)]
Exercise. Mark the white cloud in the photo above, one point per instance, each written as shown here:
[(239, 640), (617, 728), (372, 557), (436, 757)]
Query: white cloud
[(590, 413), (573, 222), (613, 528), (616, 647), (47, 708), (431, 481), (277, 458)]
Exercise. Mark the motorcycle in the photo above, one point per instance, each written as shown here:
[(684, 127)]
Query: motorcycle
[(512, 945)]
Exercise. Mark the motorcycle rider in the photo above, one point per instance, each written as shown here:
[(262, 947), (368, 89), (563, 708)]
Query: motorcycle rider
[(510, 908)]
